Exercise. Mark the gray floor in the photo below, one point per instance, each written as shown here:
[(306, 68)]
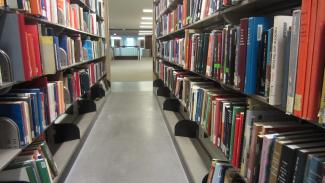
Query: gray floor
[(132, 70), (129, 142)]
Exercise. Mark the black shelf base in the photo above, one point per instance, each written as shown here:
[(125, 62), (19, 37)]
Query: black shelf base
[(186, 128), (158, 83), (171, 105), (163, 92)]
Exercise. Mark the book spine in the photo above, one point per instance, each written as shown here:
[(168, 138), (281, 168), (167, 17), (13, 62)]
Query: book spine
[(293, 61), (264, 159), (275, 162), (268, 64), (317, 68), (302, 57), (242, 52), (300, 165), (286, 165), (281, 25)]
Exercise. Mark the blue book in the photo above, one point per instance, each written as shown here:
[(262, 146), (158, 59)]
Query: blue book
[(87, 44), (219, 172), (14, 111), (199, 105), (256, 26), (313, 171), (57, 53), (39, 111), (63, 43)]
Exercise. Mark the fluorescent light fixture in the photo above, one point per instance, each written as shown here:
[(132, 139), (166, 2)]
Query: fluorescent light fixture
[(140, 38), (146, 23), (145, 33), (145, 30), (114, 34), (115, 37), (146, 18), (147, 10), (146, 26)]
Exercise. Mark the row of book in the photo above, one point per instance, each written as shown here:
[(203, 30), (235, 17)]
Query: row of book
[(262, 144), (187, 12), (35, 164), (170, 22), (65, 13), (35, 50), (261, 56), (28, 109)]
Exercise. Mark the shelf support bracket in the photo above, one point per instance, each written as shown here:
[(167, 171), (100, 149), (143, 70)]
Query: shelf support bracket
[(163, 91), (171, 105), (186, 128), (158, 83)]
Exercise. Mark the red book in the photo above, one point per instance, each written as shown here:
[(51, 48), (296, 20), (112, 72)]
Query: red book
[(92, 68), (236, 137), (24, 48), (306, 13), (207, 7), (77, 86), (317, 56), (218, 120), (210, 55), (242, 53), (240, 139), (34, 50)]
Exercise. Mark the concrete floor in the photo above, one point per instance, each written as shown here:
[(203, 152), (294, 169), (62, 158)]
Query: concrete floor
[(129, 143)]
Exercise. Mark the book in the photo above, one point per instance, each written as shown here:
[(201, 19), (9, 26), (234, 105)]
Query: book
[(256, 26), (281, 26), (293, 60)]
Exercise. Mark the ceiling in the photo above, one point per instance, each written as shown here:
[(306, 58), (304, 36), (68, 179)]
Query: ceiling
[(125, 15)]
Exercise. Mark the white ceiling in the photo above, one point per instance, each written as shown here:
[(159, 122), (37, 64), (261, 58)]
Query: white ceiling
[(126, 14)]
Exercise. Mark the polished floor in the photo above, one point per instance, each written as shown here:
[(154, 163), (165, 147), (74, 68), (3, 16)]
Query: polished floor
[(132, 70), (129, 142)]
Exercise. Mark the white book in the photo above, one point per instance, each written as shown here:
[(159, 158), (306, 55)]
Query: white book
[(12, 4), (54, 11), (281, 26), (203, 9)]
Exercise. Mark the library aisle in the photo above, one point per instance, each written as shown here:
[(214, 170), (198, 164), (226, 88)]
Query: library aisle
[(129, 141)]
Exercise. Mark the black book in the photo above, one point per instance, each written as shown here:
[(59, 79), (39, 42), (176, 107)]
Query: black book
[(288, 159), (205, 53), (300, 165), (262, 62), (232, 55)]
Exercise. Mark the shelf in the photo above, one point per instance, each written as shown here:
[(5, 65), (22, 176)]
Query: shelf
[(63, 27), (179, 32), (234, 13), (83, 5), (82, 63), (257, 98), (6, 155), (170, 8), (68, 151)]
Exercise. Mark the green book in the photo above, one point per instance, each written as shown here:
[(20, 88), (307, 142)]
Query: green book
[(43, 171)]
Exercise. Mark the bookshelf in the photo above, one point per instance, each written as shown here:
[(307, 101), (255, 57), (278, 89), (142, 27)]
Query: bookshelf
[(173, 68), (71, 96)]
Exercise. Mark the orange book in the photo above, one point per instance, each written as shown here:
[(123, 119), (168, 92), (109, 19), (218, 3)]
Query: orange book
[(36, 8), (302, 56), (184, 15), (317, 57)]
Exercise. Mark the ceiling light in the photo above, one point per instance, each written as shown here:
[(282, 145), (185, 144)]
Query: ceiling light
[(140, 38), (146, 18), (145, 26), (145, 31), (116, 38), (114, 34), (147, 10), (146, 23)]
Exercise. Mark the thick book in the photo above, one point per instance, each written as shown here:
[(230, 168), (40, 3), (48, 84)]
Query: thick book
[(314, 169), (288, 159), (315, 70), (300, 164), (256, 27), (304, 39), (240, 79), (47, 48), (281, 26)]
